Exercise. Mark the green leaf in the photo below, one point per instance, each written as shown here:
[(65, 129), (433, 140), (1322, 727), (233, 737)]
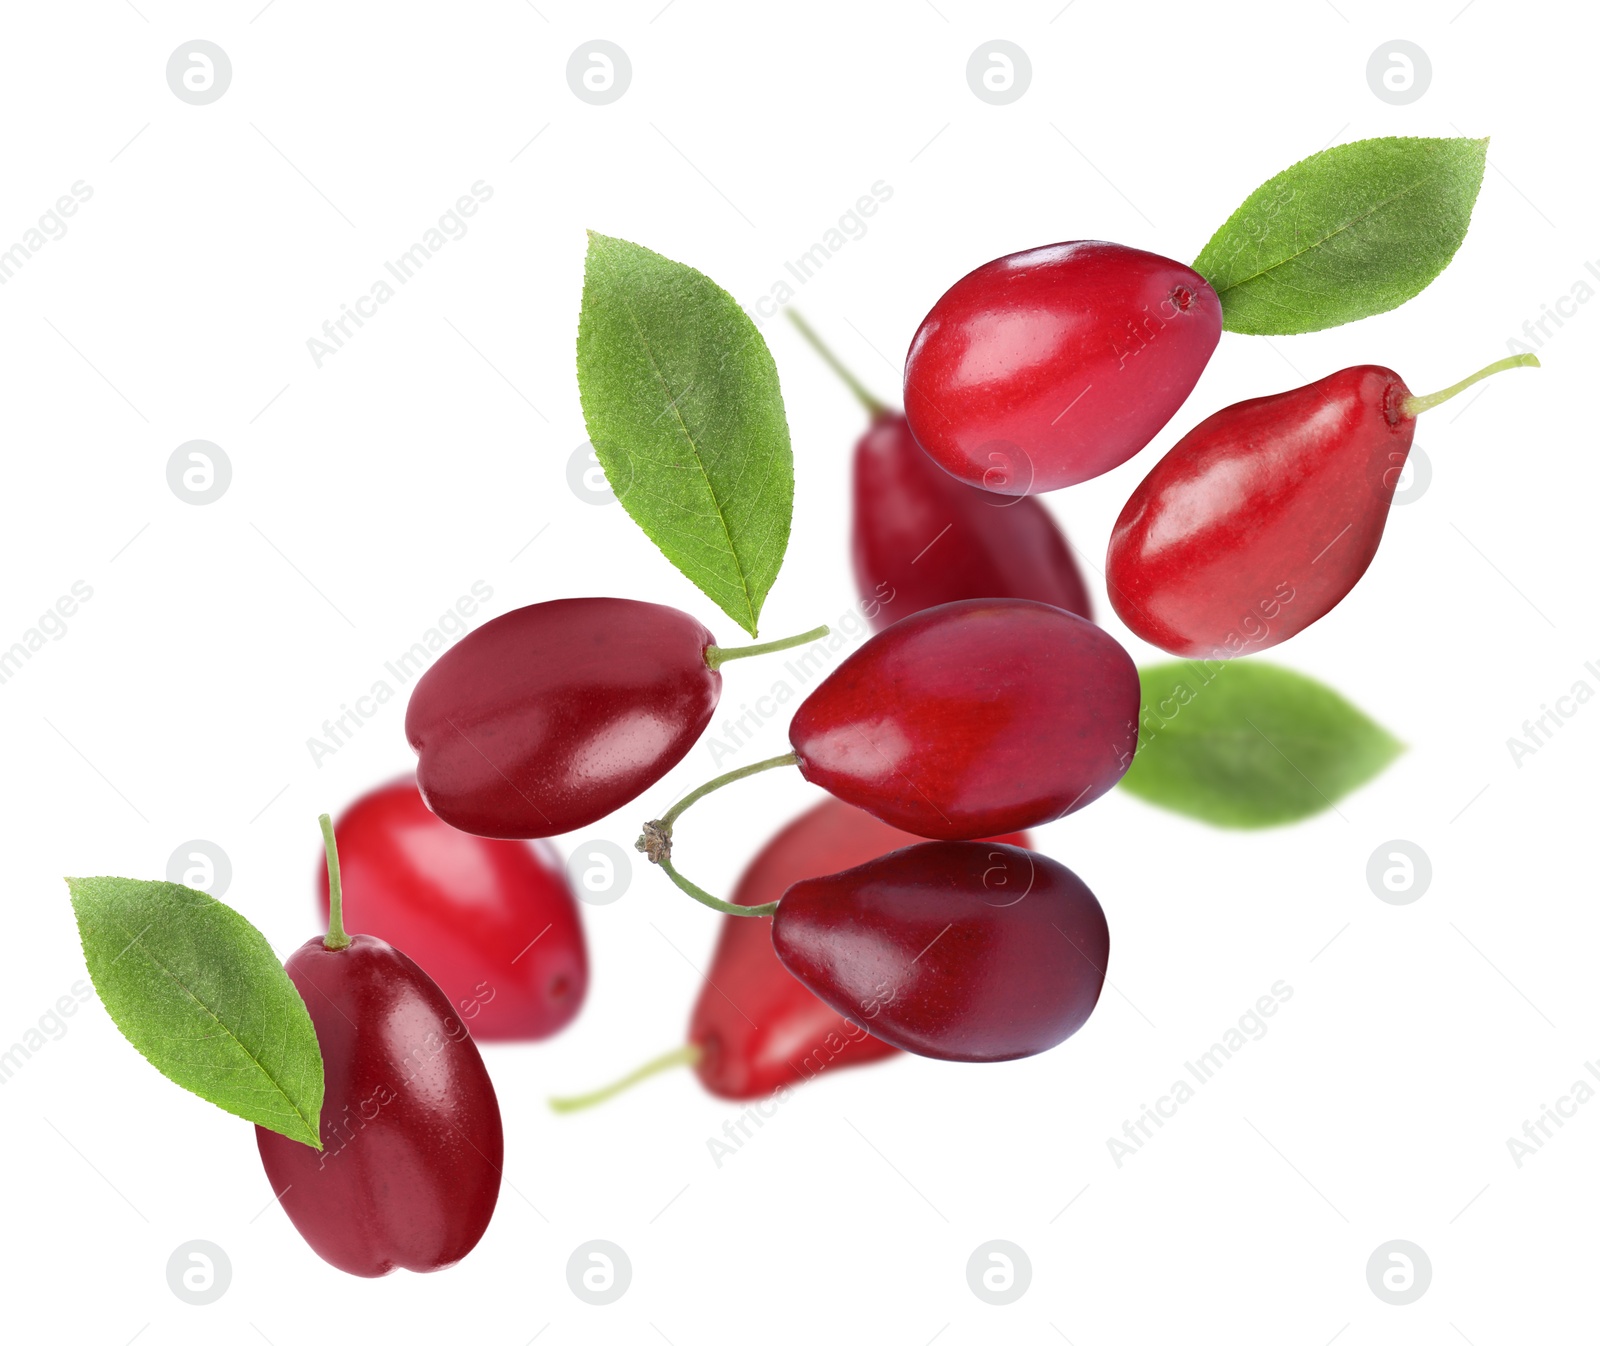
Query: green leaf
[(1352, 231), (197, 989), (1246, 744), (681, 399)]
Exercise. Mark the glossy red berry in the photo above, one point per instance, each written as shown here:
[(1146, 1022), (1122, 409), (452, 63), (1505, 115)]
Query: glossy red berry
[(965, 951), (493, 922), (412, 1148), (756, 1027), (1051, 366), (973, 719), (550, 717), (920, 538), (1263, 517)]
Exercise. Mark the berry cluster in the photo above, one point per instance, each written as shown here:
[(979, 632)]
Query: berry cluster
[(992, 705), (908, 911), (961, 722), (902, 915)]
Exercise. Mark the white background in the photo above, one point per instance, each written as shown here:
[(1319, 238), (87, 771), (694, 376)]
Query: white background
[(369, 494)]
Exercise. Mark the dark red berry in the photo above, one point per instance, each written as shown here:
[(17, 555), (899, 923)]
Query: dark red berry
[(965, 951), (920, 537), (410, 1165), (757, 1028), (550, 717)]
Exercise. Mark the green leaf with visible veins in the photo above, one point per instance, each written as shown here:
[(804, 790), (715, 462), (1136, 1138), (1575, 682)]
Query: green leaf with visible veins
[(197, 989), (1246, 744), (681, 399), (1352, 231)]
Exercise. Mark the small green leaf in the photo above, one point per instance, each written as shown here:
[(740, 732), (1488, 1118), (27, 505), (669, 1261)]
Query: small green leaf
[(1246, 744), (197, 989), (681, 399), (1352, 231)]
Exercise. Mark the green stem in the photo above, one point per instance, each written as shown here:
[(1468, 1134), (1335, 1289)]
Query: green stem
[(686, 1055), (676, 811), (656, 839), (1415, 406), (715, 903), (874, 407), (336, 938), (717, 656)]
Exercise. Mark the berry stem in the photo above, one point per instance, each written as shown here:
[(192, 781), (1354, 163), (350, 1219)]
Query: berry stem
[(656, 838), (1415, 406), (715, 903), (665, 821), (874, 407), (717, 656), (336, 938), (686, 1055)]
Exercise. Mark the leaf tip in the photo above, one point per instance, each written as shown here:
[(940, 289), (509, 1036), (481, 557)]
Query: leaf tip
[(303, 1134)]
